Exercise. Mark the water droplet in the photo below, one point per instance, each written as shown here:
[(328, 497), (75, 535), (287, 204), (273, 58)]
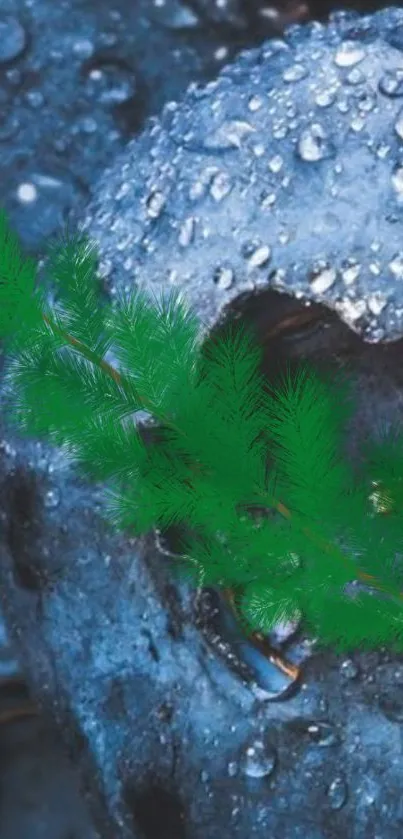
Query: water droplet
[(223, 277), (337, 793), (88, 125), (322, 734), (348, 54), (350, 271), (47, 201), (155, 204), (357, 124), (232, 768), (173, 15), (396, 265), (322, 278), (52, 499), (221, 186), (343, 106), (230, 134), (255, 103), (35, 99), (313, 144), (382, 150), (204, 776), (295, 73), (83, 48), (13, 39), (326, 97), (368, 789), (276, 163), (375, 268), (365, 100), (397, 181), (186, 233), (391, 84), (350, 310), (259, 257), (376, 303), (399, 125), (259, 150), (355, 76), (111, 82), (259, 760), (27, 193), (349, 669)]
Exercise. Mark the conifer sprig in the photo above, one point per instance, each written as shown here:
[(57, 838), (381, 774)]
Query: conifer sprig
[(317, 530)]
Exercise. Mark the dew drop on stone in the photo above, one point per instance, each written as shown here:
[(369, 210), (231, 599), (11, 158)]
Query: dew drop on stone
[(13, 38), (365, 101), (232, 768), (186, 233), (221, 186), (322, 278), (223, 277), (350, 271), (52, 499), (349, 669), (322, 734), (35, 99), (313, 145), (397, 181), (396, 266), (295, 73), (351, 310), (259, 760), (230, 134), (83, 48), (276, 163), (111, 82), (27, 193), (173, 15), (368, 790), (259, 257), (391, 84), (337, 793), (43, 204), (357, 124), (348, 54), (155, 204), (399, 125), (326, 97), (376, 303), (355, 76), (255, 103)]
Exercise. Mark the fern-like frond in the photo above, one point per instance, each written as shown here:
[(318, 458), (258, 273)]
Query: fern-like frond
[(157, 345), (20, 300), (72, 265)]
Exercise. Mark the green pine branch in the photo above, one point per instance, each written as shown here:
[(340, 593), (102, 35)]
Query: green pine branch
[(256, 479)]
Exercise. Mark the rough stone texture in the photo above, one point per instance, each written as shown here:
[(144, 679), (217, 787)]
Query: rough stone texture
[(77, 79), (209, 198), (156, 723)]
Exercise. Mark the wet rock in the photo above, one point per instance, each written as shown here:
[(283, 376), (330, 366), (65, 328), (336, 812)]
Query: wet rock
[(78, 81), (13, 38), (144, 709), (335, 143)]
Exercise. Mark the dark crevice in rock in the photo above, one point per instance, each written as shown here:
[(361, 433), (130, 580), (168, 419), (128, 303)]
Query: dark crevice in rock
[(22, 530), (157, 811)]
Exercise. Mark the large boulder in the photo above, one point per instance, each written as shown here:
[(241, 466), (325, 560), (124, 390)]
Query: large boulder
[(276, 186)]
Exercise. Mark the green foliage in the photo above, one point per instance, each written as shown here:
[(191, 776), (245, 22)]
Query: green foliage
[(256, 479)]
